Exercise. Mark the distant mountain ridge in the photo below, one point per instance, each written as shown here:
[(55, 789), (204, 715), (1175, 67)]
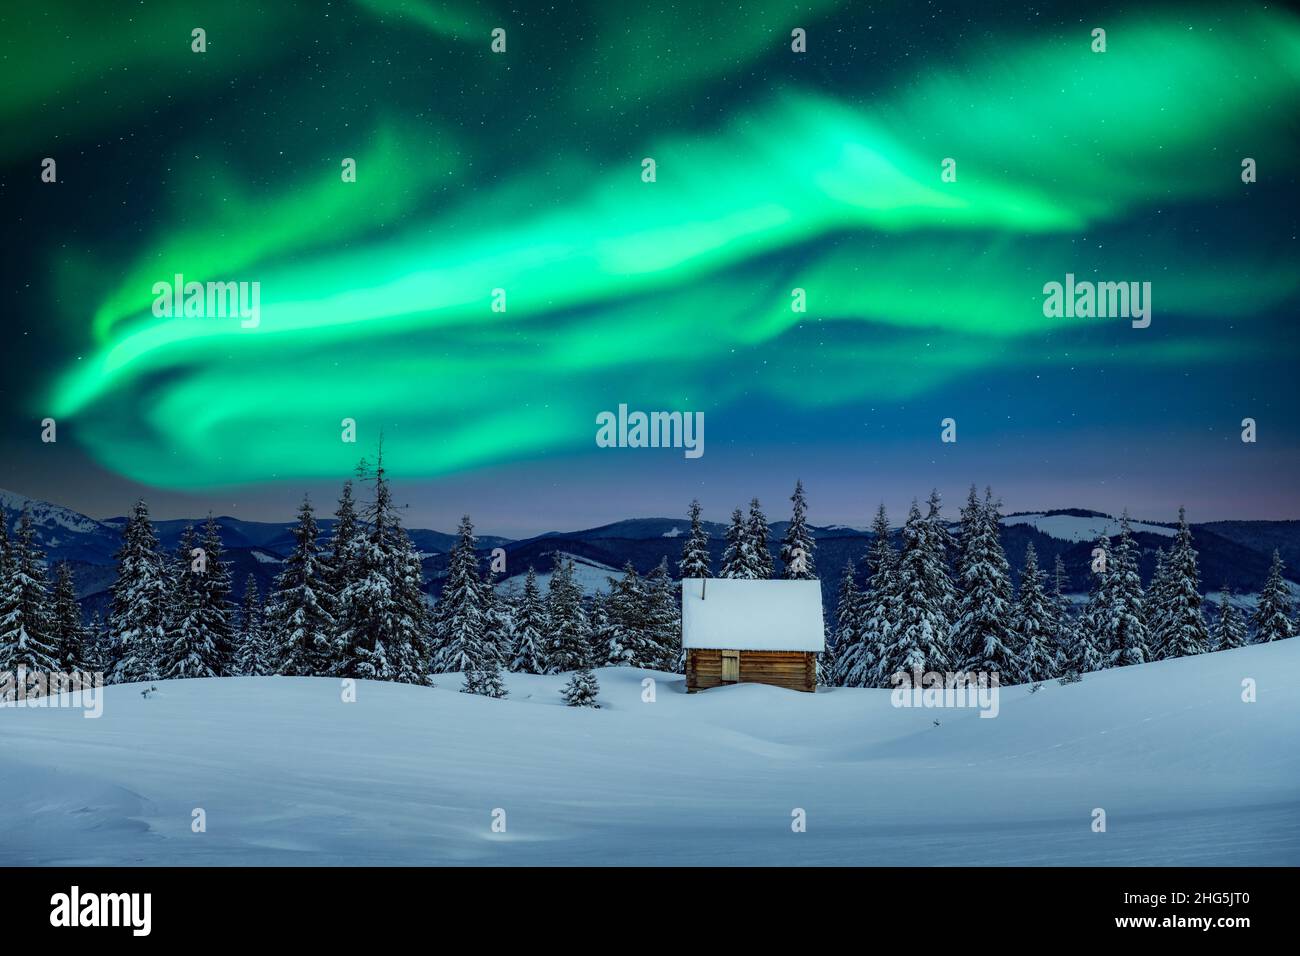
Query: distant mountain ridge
[(1233, 553)]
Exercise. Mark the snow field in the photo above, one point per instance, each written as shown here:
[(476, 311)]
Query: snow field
[(288, 774)]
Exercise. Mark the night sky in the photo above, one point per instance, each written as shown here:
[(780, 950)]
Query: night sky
[(775, 170)]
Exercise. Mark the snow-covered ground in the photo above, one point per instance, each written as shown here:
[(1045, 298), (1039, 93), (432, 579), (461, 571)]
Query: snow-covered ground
[(288, 774)]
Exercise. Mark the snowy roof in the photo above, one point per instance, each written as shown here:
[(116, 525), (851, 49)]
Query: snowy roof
[(732, 614)]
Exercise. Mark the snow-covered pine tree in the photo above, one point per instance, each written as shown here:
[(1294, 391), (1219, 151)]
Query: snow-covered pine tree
[(757, 533), (4, 563), (735, 562), (940, 543), (828, 662), (1125, 633), (214, 606), (844, 647), (189, 650), (25, 626), (484, 678), (663, 619), (250, 640), (299, 629), (373, 636), (1272, 619), (366, 613), (1089, 653), (27, 565), (606, 634), (1062, 617), (1070, 657), (695, 561), (582, 690), (530, 629), (459, 612), (68, 635), (619, 624), (970, 521), (413, 628), (797, 546), (1183, 632), (140, 600), (338, 566), (849, 630), (1034, 623), (859, 664), (981, 634), (942, 540), (6, 648), (569, 642), (1229, 628), (182, 589), (1155, 607), (497, 639), (98, 652), (919, 637)]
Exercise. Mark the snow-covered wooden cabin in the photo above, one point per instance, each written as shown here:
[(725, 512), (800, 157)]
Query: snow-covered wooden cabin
[(765, 632)]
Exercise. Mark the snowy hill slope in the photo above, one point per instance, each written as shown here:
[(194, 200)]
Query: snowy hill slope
[(62, 532), (639, 529), (1186, 772), (1083, 527), (591, 576)]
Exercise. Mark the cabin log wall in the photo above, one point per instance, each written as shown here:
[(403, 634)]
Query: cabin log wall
[(796, 670)]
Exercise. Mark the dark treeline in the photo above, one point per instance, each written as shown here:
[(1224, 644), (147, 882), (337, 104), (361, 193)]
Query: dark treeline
[(350, 606), (944, 603), (353, 605), (947, 603)]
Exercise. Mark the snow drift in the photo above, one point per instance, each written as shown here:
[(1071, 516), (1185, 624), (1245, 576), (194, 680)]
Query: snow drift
[(286, 773)]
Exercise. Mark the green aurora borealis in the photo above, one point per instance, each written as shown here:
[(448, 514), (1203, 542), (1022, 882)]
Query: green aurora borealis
[(822, 174)]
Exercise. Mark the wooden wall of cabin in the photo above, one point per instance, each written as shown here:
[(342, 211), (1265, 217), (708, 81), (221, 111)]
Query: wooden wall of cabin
[(796, 670)]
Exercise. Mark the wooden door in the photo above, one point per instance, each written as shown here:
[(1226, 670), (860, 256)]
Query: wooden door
[(730, 666)]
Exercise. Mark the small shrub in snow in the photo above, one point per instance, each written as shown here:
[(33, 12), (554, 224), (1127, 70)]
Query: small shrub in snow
[(484, 681), (582, 689)]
